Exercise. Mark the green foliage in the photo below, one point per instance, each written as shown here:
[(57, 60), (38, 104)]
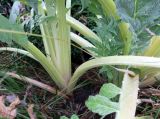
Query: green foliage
[(95, 7), (109, 90), (74, 116), (110, 44), (9, 32), (140, 14), (107, 30), (102, 103), (108, 72), (85, 4)]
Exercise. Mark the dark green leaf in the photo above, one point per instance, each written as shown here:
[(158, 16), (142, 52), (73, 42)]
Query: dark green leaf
[(107, 31), (95, 8), (107, 72)]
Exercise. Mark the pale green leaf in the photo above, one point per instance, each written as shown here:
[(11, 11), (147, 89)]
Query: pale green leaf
[(101, 105), (11, 32), (74, 116), (48, 19), (109, 90), (64, 117), (140, 61), (144, 117), (16, 50)]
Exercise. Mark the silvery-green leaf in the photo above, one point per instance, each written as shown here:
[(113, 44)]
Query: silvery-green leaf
[(139, 13), (11, 32)]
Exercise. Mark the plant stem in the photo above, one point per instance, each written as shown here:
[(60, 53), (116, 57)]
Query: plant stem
[(126, 36), (48, 66), (80, 41), (140, 61), (135, 9), (82, 29), (128, 97), (36, 83), (109, 8), (47, 41), (16, 50), (63, 46)]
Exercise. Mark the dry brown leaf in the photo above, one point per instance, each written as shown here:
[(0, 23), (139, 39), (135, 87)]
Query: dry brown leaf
[(10, 111)]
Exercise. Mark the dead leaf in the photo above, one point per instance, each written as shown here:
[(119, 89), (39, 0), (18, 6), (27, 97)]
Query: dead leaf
[(10, 111)]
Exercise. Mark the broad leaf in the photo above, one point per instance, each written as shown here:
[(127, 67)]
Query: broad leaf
[(11, 32), (101, 105), (109, 90), (140, 13)]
